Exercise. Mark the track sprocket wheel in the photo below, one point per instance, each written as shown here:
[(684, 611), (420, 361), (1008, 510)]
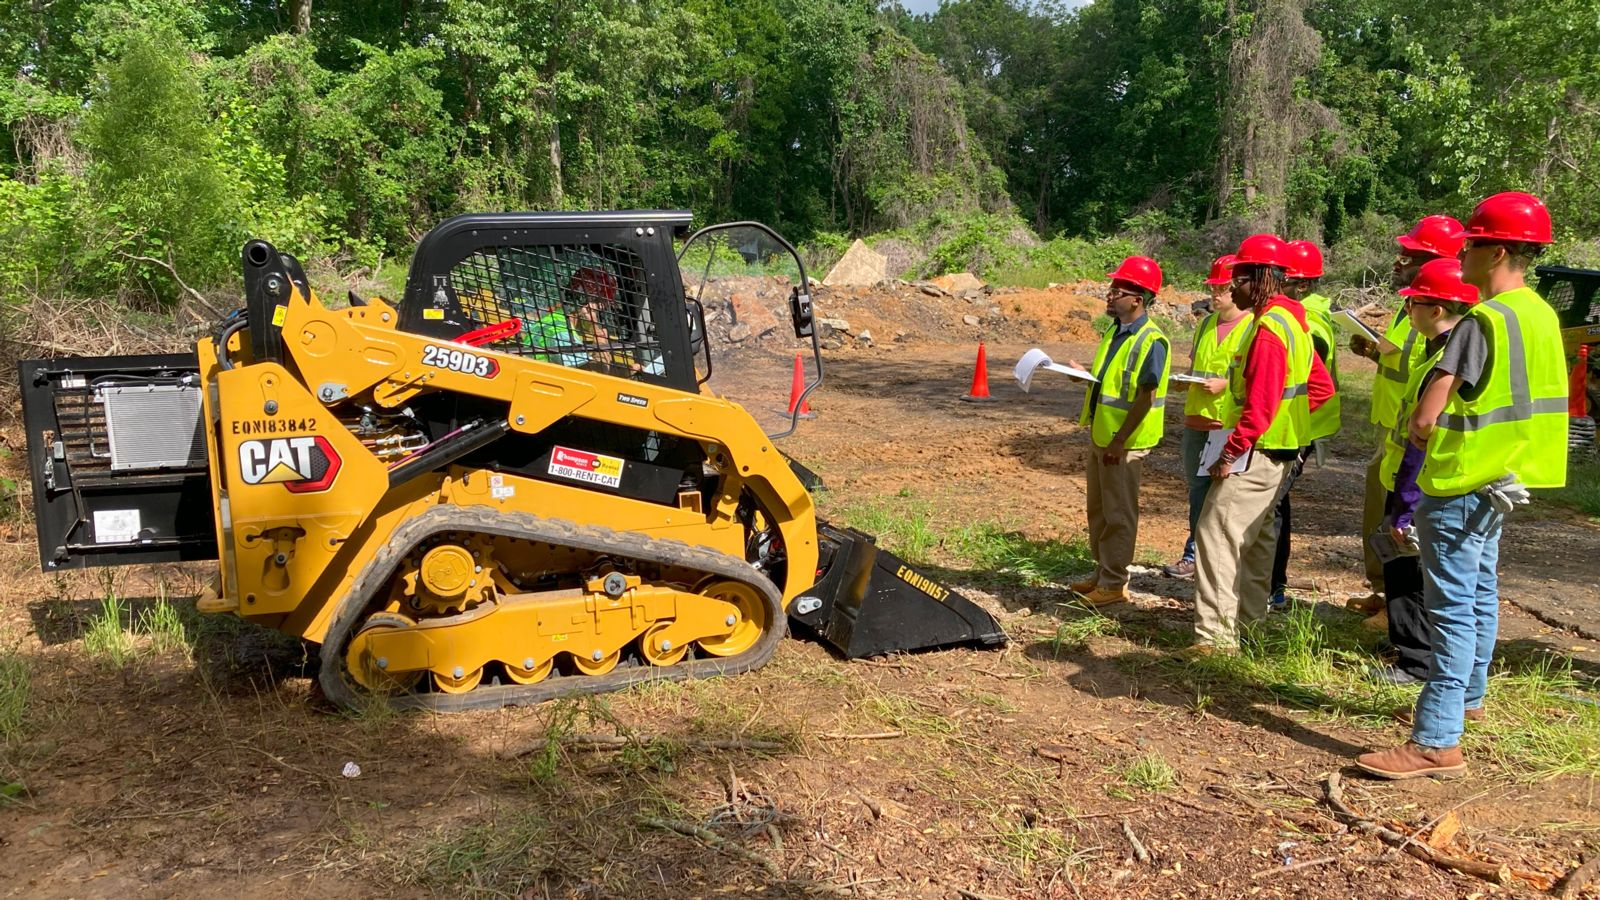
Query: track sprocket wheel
[(749, 623)]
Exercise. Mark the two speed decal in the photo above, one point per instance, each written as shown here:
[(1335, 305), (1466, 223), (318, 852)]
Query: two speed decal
[(462, 361)]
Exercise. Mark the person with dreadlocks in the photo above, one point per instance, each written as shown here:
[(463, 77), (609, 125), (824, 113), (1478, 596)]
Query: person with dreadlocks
[(1278, 381)]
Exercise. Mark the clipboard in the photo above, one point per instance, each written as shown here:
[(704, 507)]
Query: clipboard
[(1212, 452), (1187, 378), (1036, 359)]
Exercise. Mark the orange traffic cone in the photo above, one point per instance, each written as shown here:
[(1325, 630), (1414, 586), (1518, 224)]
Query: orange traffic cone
[(796, 388), (980, 379)]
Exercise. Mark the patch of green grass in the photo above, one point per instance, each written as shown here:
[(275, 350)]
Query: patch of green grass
[(14, 686), (902, 524), (1027, 847), (1149, 772), (1074, 633), (1019, 559), (165, 627), (1541, 720), (105, 639), (907, 715), (501, 857), (1582, 492)]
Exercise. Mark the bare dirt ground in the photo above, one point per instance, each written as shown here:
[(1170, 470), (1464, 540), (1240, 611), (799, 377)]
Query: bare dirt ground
[(1015, 773)]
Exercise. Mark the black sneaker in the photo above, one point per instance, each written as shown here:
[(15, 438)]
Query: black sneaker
[(1393, 675), (1183, 568)]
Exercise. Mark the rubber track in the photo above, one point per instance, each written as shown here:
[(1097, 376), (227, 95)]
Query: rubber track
[(342, 690)]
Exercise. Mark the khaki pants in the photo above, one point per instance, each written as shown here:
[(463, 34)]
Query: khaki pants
[(1114, 514), (1371, 517), (1235, 542)]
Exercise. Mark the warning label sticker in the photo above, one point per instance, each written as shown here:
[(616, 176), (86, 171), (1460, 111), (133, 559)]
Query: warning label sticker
[(580, 465)]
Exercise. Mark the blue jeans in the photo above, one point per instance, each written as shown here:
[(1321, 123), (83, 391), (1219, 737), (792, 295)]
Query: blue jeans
[(1460, 540), (1189, 449)]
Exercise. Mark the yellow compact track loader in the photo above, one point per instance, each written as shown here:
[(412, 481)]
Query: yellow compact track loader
[(507, 487)]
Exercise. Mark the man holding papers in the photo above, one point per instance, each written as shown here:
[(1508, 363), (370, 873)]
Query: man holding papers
[(1277, 381), (1208, 404), (1123, 411)]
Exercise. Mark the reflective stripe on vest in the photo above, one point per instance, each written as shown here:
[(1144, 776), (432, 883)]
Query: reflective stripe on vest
[(1319, 321), (1214, 358), (1396, 438), (1394, 370), (1119, 388), (1517, 422), (1291, 426)]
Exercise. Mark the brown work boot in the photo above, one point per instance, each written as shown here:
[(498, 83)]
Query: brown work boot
[(1404, 716), (1378, 621), (1371, 603), (1105, 596), (1085, 586), (1410, 760), (1183, 568), (1200, 651)]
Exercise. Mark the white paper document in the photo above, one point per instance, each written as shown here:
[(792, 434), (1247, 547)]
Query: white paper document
[(1186, 378), (1212, 452), (1037, 359), (1351, 320)]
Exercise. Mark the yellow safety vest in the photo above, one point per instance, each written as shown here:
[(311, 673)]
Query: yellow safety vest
[(1119, 384), (1214, 358), (1396, 438), (1291, 427), (1394, 369), (1517, 423), (1319, 321)]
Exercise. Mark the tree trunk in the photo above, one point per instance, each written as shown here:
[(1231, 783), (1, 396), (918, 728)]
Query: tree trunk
[(300, 13), (557, 199)]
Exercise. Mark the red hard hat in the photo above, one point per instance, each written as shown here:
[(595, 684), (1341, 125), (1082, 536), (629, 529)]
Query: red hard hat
[(1511, 216), (1305, 260), (1222, 269), (594, 283), (1262, 250), (1139, 270), (1440, 279), (1439, 235)]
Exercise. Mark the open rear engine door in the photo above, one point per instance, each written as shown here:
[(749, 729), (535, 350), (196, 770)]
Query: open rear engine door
[(118, 460)]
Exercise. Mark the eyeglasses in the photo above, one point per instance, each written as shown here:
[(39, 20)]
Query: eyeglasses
[(1114, 293)]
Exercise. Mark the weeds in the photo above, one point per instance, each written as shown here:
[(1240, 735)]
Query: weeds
[(1541, 721), (1074, 634), (165, 627), (105, 638), (1582, 492), (498, 858), (909, 716), (1150, 772), (1029, 845), (14, 685)]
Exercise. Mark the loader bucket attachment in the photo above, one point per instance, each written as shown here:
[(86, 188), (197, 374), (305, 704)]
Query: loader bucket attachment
[(868, 602)]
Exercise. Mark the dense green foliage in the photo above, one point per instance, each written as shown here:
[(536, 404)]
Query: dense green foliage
[(140, 136)]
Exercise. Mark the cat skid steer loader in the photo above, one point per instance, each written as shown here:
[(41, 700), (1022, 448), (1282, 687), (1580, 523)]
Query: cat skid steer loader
[(507, 487)]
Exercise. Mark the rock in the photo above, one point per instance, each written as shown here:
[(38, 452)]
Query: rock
[(957, 282), (902, 336), (836, 324), (932, 290), (740, 332), (832, 342), (974, 321), (865, 337), (973, 297), (861, 266)]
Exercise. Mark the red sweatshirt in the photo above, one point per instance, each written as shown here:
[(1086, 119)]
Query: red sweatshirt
[(1266, 371)]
